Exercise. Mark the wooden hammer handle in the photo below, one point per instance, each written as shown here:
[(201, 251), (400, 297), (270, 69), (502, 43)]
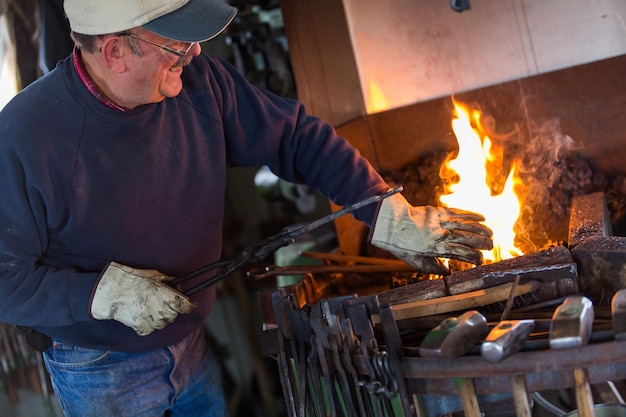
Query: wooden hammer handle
[(584, 398), (469, 400)]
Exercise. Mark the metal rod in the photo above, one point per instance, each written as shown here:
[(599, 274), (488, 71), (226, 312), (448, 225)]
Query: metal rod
[(259, 251)]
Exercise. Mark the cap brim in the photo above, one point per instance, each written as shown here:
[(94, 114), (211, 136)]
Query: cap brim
[(196, 21)]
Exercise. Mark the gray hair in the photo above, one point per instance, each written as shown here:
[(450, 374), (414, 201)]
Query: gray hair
[(89, 42)]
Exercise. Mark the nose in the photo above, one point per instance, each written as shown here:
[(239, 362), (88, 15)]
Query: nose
[(196, 49)]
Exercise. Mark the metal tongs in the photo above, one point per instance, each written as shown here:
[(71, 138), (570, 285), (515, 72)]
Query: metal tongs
[(261, 250)]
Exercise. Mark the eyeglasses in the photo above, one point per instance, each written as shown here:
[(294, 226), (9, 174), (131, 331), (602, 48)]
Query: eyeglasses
[(179, 54)]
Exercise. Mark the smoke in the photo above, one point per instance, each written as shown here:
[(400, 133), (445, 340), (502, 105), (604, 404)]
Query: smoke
[(553, 173), (543, 155)]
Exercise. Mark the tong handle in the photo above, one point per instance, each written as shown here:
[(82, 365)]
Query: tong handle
[(261, 250)]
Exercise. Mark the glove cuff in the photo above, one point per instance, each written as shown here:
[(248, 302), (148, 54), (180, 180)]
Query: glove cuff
[(390, 211), (99, 307)]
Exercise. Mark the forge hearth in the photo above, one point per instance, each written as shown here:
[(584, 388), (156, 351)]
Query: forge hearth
[(364, 331), (583, 104)]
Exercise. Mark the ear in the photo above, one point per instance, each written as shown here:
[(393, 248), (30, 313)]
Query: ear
[(114, 50)]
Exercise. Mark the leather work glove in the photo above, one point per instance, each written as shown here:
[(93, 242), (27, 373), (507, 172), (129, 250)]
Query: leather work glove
[(138, 298), (421, 234)]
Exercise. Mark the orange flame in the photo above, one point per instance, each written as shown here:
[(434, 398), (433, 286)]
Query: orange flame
[(470, 190)]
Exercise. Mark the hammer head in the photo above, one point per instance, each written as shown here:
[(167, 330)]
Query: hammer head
[(506, 338), (618, 312), (454, 336), (571, 323)]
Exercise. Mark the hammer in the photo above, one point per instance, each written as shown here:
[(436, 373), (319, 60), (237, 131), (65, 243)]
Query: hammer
[(454, 337), (505, 339), (618, 312), (571, 327)]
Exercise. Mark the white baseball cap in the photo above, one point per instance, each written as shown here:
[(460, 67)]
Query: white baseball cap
[(181, 20)]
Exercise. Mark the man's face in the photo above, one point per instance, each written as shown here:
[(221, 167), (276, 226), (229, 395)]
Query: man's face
[(156, 72)]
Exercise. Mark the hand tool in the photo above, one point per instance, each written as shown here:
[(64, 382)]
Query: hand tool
[(618, 314), (394, 346), (332, 312), (321, 360), (328, 269), (454, 337), (299, 335), (359, 312), (286, 380), (571, 327), (389, 382), (261, 250), (506, 338), (303, 399), (520, 396), (469, 399), (324, 346), (316, 391), (352, 259), (348, 350)]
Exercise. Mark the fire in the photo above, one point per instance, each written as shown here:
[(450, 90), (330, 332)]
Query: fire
[(469, 188)]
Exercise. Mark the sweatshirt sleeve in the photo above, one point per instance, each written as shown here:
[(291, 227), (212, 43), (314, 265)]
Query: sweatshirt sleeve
[(265, 129), (39, 293)]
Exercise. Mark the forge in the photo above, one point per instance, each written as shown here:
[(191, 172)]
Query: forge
[(367, 316), (566, 125), (567, 130)]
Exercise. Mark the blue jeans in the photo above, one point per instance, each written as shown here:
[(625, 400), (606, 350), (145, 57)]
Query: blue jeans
[(181, 380)]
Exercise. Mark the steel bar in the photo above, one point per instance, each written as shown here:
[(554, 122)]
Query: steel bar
[(326, 269), (347, 259)]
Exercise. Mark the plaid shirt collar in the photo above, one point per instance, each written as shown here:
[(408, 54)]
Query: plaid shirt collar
[(89, 84)]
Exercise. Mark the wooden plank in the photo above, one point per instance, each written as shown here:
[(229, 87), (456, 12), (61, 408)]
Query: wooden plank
[(466, 301)]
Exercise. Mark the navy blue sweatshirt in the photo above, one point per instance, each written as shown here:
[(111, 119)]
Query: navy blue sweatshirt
[(82, 185)]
